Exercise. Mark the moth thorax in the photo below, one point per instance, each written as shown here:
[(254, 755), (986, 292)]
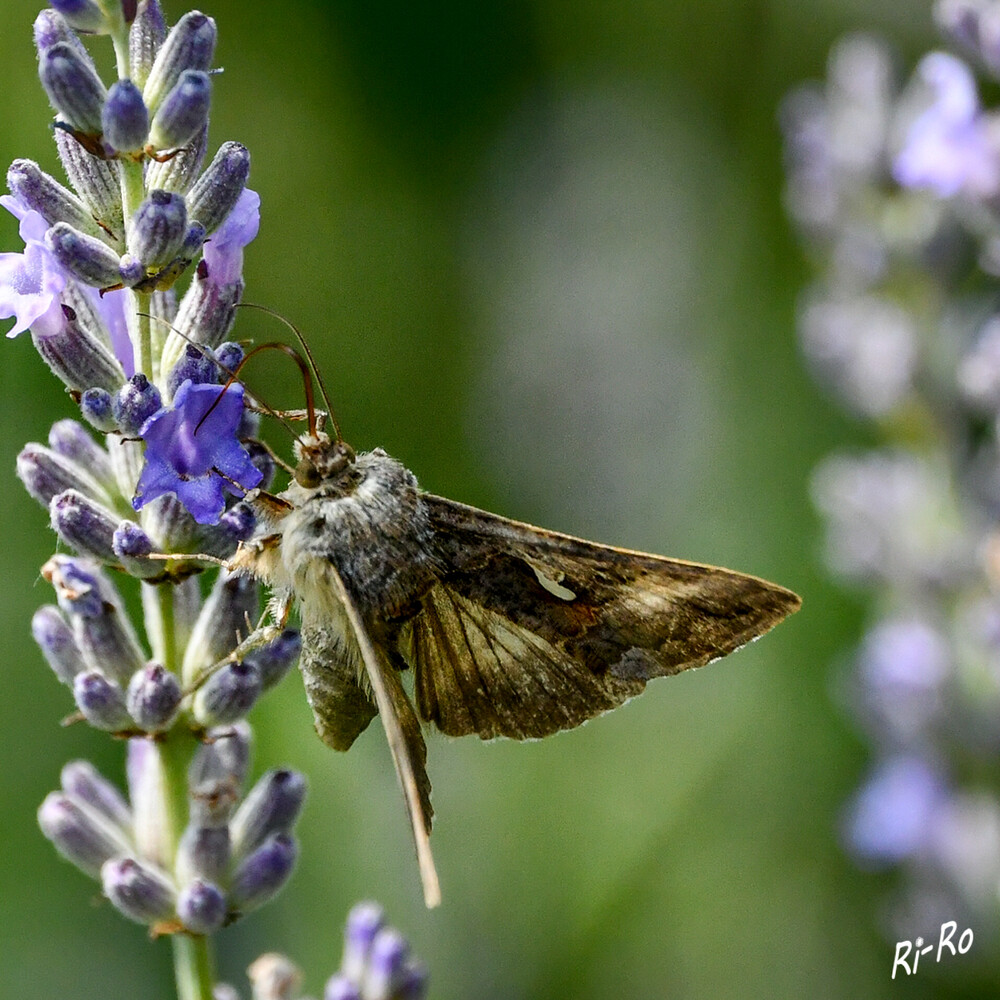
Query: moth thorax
[(320, 458)]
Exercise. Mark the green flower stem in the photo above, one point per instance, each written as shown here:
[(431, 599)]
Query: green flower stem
[(119, 38), (193, 967), (193, 963)]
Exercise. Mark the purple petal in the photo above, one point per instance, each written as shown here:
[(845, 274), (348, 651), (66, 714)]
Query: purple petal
[(223, 252), (111, 308), (948, 147), (189, 444)]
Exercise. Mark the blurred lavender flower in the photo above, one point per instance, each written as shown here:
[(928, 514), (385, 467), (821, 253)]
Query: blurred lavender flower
[(951, 147), (900, 325), (376, 965)]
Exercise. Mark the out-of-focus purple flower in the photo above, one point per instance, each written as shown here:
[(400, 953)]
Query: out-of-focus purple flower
[(223, 252), (903, 656), (31, 282), (949, 147), (196, 463), (892, 816), (903, 665), (864, 346)]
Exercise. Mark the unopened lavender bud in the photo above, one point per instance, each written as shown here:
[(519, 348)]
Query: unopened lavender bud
[(180, 170), (278, 657), (194, 239), (85, 257), (197, 364), (239, 521), (386, 965), (124, 118), (216, 775), (73, 86), (95, 180), (72, 440), (95, 613), (190, 45), (96, 408), (135, 403), (204, 852), (77, 585), (79, 834), (228, 694), (45, 195), (153, 697), (201, 907), (363, 923), (148, 792), (55, 639), (184, 111), (206, 314), (339, 987), (138, 890), (84, 525), (235, 525), (50, 29), (224, 621), (132, 546), (131, 270), (84, 15), (101, 701), (272, 806), (230, 356), (77, 357), (262, 874), (225, 754), (158, 229), (217, 190), (146, 35), (81, 780), (274, 977), (45, 474)]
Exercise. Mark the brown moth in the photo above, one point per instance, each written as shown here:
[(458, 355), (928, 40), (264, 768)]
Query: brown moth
[(507, 629)]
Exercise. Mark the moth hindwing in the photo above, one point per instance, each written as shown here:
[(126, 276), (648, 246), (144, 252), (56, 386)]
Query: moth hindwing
[(508, 629)]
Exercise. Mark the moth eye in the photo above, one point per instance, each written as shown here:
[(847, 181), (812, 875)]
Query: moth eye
[(307, 475)]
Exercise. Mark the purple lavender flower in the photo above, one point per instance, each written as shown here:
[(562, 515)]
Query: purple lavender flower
[(949, 147), (196, 463), (31, 282), (223, 252)]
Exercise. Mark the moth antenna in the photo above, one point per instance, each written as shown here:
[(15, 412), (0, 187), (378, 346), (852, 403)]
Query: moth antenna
[(277, 345), (308, 353), (233, 376)]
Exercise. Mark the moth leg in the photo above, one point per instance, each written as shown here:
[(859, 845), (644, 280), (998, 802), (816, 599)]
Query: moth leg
[(278, 609), (402, 730)]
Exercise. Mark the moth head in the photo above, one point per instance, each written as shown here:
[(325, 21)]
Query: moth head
[(319, 459)]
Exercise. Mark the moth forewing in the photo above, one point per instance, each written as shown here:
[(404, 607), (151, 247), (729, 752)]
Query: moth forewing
[(528, 632), (405, 741)]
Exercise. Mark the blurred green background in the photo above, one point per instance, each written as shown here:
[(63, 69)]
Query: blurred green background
[(539, 250)]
